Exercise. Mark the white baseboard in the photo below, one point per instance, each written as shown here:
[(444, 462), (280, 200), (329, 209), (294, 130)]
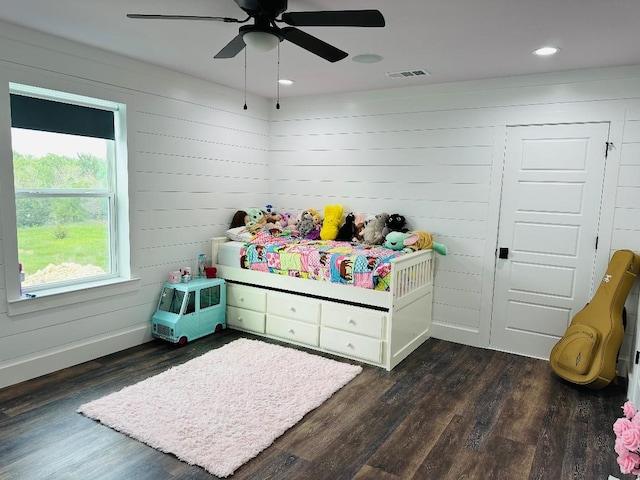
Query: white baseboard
[(72, 354), (455, 334)]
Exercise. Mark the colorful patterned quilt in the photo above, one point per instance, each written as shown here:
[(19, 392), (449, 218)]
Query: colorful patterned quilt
[(363, 266)]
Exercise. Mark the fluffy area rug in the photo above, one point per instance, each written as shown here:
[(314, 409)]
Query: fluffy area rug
[(223, 408)]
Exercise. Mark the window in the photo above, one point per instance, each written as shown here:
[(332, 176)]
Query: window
[(190, 306), (65, 168), (171, 300), (209, 297)]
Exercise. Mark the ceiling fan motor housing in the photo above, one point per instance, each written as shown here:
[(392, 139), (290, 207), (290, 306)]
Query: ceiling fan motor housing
[(265, 8)]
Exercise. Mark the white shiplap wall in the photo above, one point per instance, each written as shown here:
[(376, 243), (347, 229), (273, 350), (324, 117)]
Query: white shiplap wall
[(626, 231), (418, 164), (195, 158), (431, 153), (435, 155)]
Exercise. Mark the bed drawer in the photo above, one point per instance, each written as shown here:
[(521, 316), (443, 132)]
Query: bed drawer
[(351, 344), (294, 307), (245, 319), (353, 319), (293, 330), (246, 297)]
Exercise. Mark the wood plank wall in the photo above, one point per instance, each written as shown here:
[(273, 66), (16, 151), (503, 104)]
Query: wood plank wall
[(626, 230), (431, 153), (435, 155), (432, 167), (195, 158)]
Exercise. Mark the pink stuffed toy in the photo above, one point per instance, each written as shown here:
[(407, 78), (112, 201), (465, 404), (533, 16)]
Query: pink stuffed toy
[(358, 223), (286, 219)]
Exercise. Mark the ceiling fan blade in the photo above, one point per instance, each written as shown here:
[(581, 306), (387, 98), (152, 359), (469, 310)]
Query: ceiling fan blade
[(313, 44), (232, 48), (337, 18), (184, 17)]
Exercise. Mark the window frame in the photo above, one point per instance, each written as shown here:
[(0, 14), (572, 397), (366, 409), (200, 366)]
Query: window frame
[(108, 194), (94, 287)]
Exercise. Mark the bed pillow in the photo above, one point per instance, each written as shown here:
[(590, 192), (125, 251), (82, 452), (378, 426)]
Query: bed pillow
[(239, 234)]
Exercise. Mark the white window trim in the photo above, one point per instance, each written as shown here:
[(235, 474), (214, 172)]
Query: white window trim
[(70, 294)]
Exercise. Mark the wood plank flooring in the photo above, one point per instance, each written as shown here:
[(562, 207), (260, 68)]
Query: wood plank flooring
[(447, 412)]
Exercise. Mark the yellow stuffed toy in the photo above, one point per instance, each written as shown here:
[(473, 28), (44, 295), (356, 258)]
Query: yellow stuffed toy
[(413, 241), (332, 221), (423, 240)]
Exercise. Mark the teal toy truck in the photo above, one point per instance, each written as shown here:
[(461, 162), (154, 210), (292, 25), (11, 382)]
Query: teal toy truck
[(190, 310)]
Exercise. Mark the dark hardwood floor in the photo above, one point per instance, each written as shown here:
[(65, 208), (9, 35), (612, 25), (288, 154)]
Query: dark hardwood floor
[(447, 412)]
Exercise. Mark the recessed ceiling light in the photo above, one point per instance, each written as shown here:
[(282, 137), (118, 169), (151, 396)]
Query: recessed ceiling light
[(367, 58), (545, 51), (285, 81)]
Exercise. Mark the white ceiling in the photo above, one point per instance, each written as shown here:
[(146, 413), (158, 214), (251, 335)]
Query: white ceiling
[(453, 39)]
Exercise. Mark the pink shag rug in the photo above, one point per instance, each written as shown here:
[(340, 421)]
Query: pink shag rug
[(221, 409)]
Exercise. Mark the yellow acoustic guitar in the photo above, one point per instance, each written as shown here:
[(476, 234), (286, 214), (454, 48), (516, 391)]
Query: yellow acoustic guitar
[(588, 351)]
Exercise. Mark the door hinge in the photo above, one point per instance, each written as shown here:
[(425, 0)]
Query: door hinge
[(607, 146), (597, 238)]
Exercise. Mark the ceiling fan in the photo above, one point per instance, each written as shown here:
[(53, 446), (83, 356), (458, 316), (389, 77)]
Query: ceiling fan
[(265, 35)]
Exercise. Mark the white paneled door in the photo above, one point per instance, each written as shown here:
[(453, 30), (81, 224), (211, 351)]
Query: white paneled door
[(549, 215)]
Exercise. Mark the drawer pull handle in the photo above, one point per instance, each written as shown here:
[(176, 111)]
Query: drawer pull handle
[(239, 319), (352, 321), (349, 345), (292, 309), (291, 331), (242, 299)]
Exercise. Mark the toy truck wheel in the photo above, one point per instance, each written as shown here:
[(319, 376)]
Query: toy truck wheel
[(182, 340), (218, 328)]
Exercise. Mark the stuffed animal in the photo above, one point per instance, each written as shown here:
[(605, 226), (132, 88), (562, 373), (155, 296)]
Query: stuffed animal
[(347, 231), (286, 219), (425, 241), (271, 215), (398, 241), (358, 223), (269, 210), (396, 223), (293, 221), (374, 231), (316, 216), (238, 219), (413, 241), (317, 220), (255, 220), (367, 227), (274, 218), (331, 222), (306, 225)]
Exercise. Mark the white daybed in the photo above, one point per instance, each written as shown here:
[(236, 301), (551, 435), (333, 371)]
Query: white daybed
[(376, 327)]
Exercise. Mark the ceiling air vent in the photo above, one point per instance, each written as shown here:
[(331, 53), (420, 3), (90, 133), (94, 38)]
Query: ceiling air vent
[(408, 73)]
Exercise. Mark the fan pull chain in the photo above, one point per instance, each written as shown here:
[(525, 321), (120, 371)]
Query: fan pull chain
[(278, 80), (245, 78)]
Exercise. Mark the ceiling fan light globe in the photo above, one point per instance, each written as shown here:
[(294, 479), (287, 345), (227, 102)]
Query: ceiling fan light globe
[(260, 41)]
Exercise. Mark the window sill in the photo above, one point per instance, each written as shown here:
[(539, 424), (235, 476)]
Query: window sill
[(47, 299)]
